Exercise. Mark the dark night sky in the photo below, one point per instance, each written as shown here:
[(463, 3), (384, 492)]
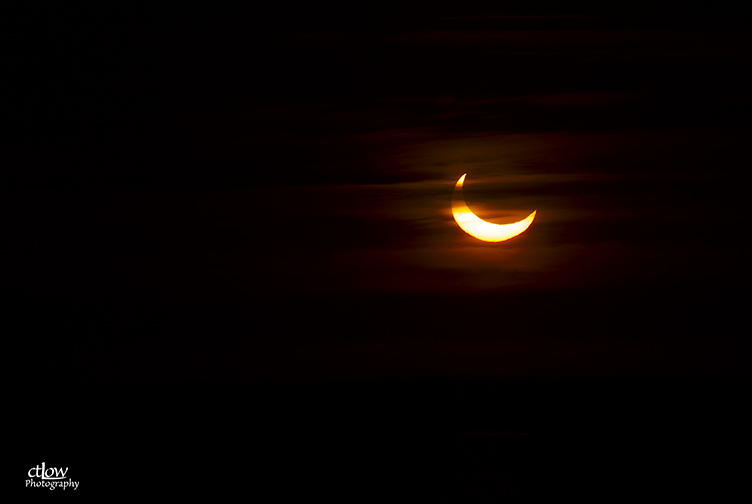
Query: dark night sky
[(206, 193), (230, 242)]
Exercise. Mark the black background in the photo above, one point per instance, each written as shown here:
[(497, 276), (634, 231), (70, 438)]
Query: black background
[(138, 387)]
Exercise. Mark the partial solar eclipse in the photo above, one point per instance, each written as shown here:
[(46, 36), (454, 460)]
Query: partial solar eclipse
[(477, 227)]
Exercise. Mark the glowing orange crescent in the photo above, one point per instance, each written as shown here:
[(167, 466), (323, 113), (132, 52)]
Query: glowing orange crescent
[(477, 227)]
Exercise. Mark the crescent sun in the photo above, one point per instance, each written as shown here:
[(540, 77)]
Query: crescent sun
[(477, 227)]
